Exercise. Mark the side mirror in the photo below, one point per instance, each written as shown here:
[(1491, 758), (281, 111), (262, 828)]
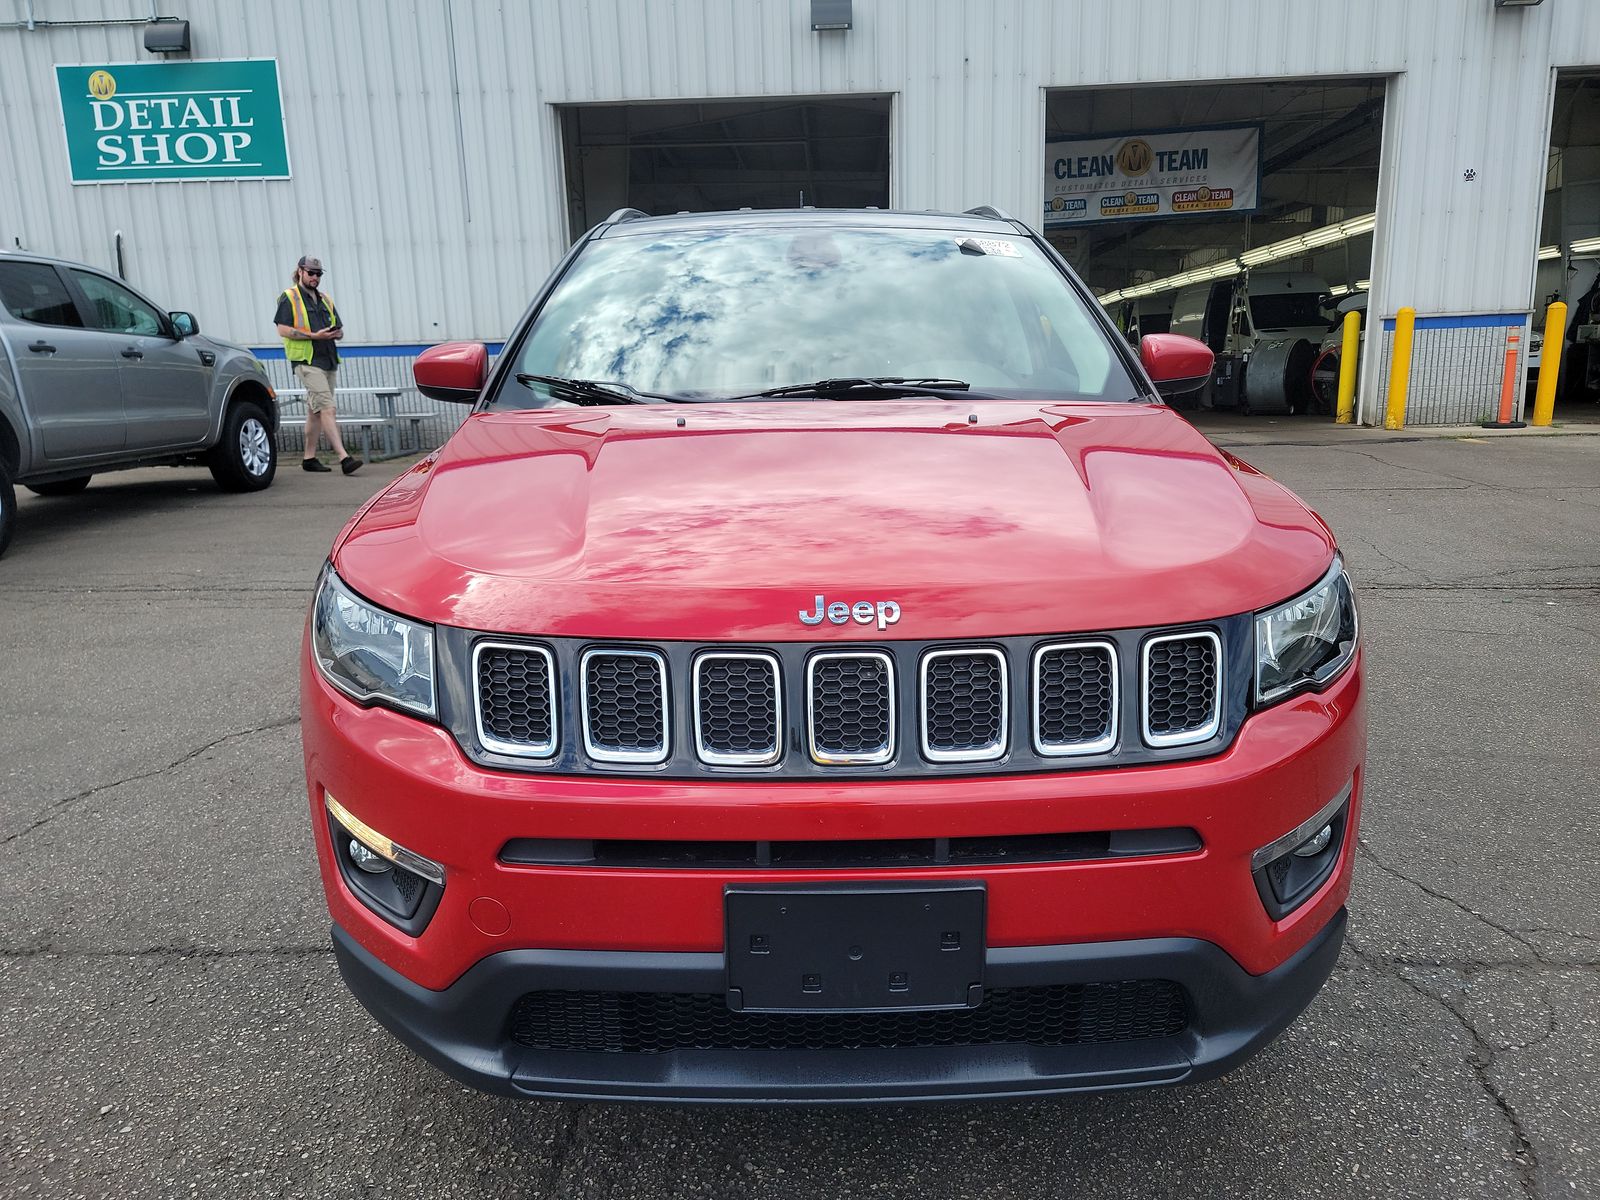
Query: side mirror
[(454, 371), (1176, 364), (184, 324)]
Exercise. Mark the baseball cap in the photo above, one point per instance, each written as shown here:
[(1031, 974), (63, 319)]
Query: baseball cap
[(309, 263)]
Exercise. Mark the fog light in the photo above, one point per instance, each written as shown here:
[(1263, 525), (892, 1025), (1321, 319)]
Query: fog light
[(1316, 844), (381, 846), (376, 864), (1289, 870)]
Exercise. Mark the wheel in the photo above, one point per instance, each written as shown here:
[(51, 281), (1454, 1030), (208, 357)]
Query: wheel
[(61, 487), (1325, 382), (8, 507), (246, 459)]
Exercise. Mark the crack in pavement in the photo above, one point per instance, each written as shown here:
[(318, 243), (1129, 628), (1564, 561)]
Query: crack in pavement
[(1484, 1054), (56, 807), (1366, 848), (1481, 1061), (565, 1155), (221, 589), (49, 950), (1480, 587)]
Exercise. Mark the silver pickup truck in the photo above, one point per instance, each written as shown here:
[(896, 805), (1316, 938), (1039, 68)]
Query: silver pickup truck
[(95, 377)]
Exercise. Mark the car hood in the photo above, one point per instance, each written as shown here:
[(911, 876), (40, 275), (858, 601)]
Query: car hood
[(975, 519)]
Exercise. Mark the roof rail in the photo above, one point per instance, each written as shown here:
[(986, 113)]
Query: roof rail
[(989, 210), (625, 214)]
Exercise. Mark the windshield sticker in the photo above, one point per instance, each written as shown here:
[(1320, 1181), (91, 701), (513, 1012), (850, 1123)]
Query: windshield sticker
[(973, 245)]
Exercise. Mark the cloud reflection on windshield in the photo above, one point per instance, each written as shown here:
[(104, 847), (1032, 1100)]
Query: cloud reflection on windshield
[(722, 312)]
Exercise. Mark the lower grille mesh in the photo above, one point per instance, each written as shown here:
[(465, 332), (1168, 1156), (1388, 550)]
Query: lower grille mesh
[(656, 1022)]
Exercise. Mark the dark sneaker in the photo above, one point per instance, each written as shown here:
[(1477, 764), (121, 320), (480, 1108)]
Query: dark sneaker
[(314, 464), (348, 464)]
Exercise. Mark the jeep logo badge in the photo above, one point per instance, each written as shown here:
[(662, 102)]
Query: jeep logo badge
[(862, 612)]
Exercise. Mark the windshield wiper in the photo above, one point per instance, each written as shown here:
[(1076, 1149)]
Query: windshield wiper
[(594, 391), (877, 387)]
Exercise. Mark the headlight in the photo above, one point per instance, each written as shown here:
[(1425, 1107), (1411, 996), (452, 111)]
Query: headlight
[(371, 654), (1308, 641)]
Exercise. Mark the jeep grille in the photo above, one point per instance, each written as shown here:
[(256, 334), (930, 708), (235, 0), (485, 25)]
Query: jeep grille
[(850, 715), (1182, 703), (803, 710), (516, 702), (963, 705), (738, 708), (625, 705)]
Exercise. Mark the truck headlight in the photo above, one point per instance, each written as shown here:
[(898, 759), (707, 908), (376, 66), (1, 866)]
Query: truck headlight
[(371, 654), (1308, 641)]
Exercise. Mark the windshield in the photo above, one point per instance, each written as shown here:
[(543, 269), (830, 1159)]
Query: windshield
[(715, 313), (1287, 310)]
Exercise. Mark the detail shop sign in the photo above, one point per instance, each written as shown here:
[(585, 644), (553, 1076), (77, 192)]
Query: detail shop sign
[(154, 122), (1176, 173)]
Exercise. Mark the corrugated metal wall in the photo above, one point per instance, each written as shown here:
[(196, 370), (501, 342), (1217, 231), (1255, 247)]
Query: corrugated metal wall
[(427, 162)]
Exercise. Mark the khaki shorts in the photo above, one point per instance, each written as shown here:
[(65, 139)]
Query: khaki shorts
[(319, 387)]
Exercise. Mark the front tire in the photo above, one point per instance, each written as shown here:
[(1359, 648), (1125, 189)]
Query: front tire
[(60, 487), (246, 459), (8, 508)]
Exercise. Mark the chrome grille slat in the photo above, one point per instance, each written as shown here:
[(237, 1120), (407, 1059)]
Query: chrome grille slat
[(514, 700), (964, 699), (807, 710), (626, 713), (1076, 698), (1181, 679), (738, 708), (850, 707)]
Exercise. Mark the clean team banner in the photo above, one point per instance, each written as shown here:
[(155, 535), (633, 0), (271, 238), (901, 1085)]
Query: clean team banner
[(1149, 175), (157, 122)]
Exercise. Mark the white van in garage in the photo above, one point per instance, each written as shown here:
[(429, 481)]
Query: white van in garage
[(1264, 327)]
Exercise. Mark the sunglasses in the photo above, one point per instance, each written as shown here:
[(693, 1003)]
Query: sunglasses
[(311, 272)]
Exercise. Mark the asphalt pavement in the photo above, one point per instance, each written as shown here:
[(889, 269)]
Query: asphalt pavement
[(172, 1023)]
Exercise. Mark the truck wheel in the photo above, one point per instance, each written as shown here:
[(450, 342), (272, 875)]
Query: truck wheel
[(8, 508), (61, 487), (246, 459)]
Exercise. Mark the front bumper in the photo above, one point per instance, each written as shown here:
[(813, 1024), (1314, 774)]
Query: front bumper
[(465, 1028)]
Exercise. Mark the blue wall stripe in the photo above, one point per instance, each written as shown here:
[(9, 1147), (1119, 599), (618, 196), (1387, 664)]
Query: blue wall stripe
[(1480, 321), (275, 353)]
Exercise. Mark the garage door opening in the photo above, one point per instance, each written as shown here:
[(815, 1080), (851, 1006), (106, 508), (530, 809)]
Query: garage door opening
[(710, 157), (1568, 264), (1242, 214)]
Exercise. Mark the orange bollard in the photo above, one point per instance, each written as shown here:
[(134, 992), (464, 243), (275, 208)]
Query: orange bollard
[(1508, 388)]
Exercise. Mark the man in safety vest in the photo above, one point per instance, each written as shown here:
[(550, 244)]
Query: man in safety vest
[(309, 325)]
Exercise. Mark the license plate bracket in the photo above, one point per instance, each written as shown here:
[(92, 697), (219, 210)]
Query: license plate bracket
[(869, 947)]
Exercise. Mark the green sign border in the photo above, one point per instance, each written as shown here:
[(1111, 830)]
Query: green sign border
[(208, 177)]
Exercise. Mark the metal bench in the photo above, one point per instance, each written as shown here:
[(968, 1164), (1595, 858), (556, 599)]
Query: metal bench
[(386, 421)]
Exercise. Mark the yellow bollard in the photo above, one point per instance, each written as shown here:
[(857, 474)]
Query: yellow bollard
[(1349, 352), (1555, 345), (1405, 324)]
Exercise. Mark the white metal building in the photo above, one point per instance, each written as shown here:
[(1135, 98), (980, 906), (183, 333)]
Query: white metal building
[(441, 152)]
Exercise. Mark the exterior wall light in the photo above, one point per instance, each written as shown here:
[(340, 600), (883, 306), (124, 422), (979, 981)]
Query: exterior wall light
[(1516, 3), (829, 14), (167, 36)]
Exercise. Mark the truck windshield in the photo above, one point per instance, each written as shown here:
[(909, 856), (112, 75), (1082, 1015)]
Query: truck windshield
[(1288, 310), (714, 313)]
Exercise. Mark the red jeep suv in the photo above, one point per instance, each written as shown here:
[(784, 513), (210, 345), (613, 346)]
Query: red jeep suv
[(822, 669)]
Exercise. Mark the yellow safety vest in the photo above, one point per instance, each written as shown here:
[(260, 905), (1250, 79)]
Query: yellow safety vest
[(299, 349)]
